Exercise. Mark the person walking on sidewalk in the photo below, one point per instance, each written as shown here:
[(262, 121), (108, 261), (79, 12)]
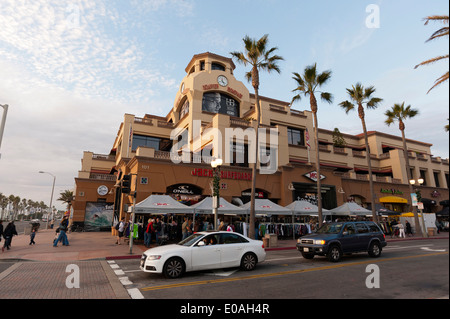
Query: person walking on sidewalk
[(120, 230), (62, 232), (8, 234), (32, 235), (1, 229)]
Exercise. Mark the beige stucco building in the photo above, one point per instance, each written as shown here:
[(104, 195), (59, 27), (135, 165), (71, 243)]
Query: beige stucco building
[(210, 98)]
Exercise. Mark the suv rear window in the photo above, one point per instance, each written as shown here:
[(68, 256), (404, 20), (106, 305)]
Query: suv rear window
[(362, 228), (374, 228)]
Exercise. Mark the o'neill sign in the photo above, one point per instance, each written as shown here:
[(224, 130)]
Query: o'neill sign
[(313, 176)]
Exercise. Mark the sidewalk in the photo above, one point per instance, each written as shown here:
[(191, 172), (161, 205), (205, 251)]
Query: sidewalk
[(101, 246), (82, 246)]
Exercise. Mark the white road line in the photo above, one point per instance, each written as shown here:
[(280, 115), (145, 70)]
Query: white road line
[(135, 293), (119, 272), (125, 281)]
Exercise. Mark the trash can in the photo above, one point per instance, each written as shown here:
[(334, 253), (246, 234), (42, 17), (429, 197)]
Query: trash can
[(266, 242), (431, 231), (273, 240)]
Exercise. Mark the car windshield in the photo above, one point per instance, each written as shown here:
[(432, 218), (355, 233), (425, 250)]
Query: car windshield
[(334, 228), (190, 240)]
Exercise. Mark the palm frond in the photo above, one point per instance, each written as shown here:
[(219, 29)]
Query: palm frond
[(430, 61), (347, 106), (439, 81), (327, 97)]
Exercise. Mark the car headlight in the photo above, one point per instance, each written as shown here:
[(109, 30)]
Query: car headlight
[(298, 241), (154, 257), (319, 242)]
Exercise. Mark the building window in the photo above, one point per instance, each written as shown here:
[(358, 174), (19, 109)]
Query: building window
[(424, 177), (159, 144), (217, 66), (184, 109), (447, 179), (436, 179), (296, 136), (202, 65), (239, 154)]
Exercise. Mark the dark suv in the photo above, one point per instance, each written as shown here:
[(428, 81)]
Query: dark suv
[(335, 239)]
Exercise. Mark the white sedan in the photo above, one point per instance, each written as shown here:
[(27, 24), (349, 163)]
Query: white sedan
[(204, 250)]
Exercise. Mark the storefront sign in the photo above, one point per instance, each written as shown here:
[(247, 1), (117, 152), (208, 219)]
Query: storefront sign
[(391, 191), (204, 172), (184, 189), (313, 176)]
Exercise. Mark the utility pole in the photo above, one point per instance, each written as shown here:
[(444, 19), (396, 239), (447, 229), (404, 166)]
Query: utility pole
[(2, 126)]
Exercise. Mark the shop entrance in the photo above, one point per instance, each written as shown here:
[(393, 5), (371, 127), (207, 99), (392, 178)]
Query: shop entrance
[(308, 192)]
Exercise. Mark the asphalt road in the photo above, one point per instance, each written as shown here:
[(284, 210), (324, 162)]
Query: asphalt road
[(411, 269)]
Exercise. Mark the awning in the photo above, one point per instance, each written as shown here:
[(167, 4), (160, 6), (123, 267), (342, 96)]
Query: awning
[(350, 208), (393, 199), (205, 207), (161, 204)]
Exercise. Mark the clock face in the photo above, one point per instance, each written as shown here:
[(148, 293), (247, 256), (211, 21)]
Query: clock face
[(102, 190), (222, 80)]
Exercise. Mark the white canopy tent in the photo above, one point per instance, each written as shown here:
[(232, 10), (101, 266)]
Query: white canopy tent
[(161, 204), (205, 207), (305, 208), (267, 207), (350, 208)]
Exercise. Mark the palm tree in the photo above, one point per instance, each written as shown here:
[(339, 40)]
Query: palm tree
[(360, 96), (400, 113), (442, 32), (307, 85), (66, 197), (259, 57)]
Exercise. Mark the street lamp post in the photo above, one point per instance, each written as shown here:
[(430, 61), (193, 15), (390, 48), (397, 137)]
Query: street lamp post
[(51, 198), (215, 164), (2, 125), (416, 217)]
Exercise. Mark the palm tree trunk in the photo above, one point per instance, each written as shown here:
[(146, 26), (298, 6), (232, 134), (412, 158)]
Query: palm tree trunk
[(411, 189), (313, 103), (369, 164), (251, 232)]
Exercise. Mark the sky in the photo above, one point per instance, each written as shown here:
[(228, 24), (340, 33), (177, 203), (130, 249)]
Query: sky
[(70, 70)]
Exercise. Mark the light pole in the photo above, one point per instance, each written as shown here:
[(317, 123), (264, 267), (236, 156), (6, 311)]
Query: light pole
[(2, 125), (416, 217), (51, 198), (215, 164)]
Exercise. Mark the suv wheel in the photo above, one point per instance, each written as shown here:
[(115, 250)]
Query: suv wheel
[(374, 250), (334, 253)]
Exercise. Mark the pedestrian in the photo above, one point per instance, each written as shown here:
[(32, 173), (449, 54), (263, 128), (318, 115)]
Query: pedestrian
[(438, 226), (148, 233), (408, 229), (158, 228), (184, 228), (63, 226), (1, 229), (189, 227), (120, 230), (8, 234), (32, 235), (401, 230)]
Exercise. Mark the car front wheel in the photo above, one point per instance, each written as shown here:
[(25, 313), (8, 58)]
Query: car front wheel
[(173, 268), (374, 250), (334, 254), (249, 261)]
